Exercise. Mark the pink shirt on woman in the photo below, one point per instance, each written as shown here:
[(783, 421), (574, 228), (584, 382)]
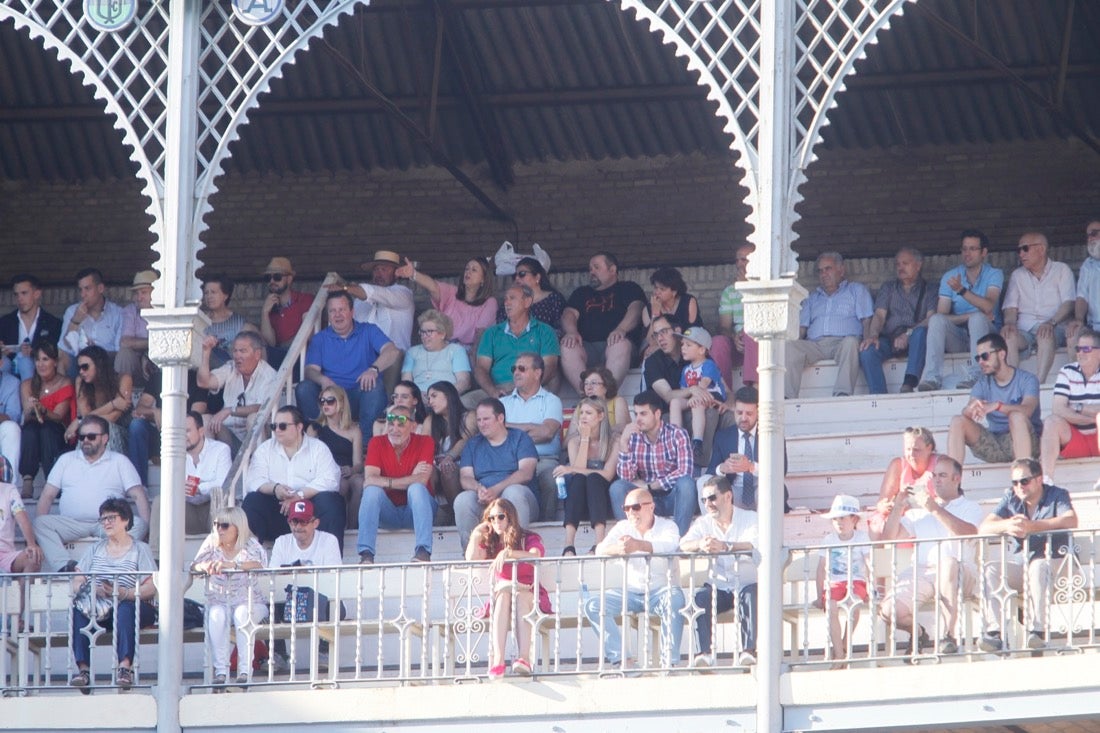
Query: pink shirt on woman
[(468, 319)]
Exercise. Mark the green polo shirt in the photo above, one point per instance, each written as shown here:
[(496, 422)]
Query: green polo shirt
[(502, 346)]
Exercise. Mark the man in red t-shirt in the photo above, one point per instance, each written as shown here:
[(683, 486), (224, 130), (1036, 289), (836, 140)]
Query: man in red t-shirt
[(283, 309), (397, 491)]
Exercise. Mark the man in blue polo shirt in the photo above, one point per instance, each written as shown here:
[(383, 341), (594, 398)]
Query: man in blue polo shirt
[(966, 310), (504, 341), (351, 355)]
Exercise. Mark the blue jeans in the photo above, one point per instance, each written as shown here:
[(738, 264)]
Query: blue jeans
[(666, 602), (746, 614), (142, 433), (679, 504), (366, 407), (871, 360), (125, 638), (377, 510)]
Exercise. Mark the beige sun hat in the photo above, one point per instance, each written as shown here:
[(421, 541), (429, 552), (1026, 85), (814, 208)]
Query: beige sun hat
[(382, 256), (144, 278)]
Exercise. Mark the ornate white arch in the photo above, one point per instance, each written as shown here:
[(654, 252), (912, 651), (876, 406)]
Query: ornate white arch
[(80, 60)]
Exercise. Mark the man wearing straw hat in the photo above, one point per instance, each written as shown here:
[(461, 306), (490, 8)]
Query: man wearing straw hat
[(385, 303), (282, 311), (132, 357)]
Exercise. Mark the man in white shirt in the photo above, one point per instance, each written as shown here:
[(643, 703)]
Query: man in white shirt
[(245, 383), (208, 463), (95, 320), (724, 529), (941, 568), (289, 467), (25, 325), (537, 412), (637, 537), (387, 304), (86, 478)]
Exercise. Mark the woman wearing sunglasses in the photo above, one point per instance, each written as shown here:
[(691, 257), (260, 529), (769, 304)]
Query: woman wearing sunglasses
[(407, 394), (103, 392), (500, 538), (591, 469), (470, 305), (335, 428), (548, 304), (231, 595)]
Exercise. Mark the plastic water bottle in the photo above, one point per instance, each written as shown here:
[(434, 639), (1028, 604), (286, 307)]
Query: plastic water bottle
[(560, 481)]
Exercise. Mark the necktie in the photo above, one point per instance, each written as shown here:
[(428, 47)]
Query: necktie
[(748, 481)]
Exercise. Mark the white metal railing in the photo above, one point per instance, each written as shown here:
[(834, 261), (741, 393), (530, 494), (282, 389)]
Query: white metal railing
[(409, 622), (283, 394)]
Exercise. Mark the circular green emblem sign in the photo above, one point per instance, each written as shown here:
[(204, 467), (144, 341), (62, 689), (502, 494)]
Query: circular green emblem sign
[(109, 15)]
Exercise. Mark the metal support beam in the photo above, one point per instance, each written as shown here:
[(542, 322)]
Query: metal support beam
[(1063, 62)]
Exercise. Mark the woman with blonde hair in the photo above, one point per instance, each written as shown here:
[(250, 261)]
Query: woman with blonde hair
[(230, 594), (500, 538), (591, 469), (436, 358), (336, 429)]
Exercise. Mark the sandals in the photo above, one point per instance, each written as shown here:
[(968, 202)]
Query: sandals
[(569, 551), (521, 667), (82, 680), (496, 672), (124, 678)]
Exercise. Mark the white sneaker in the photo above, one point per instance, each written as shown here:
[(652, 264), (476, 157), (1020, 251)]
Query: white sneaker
[(747, 659), (278, 662), (702, 661)]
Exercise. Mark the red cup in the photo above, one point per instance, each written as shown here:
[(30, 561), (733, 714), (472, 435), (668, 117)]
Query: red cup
[(192, 485)]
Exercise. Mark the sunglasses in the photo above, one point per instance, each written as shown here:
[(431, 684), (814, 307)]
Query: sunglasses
[(223, 526), (709, 498), (109, 518), (399, 419), (984, 356), (274, 277), (280, 425), (1023, 481), (88, 436), (84, 366), (1025, 248), (497, 517), (1086, 349), (327, 401), (521, 368), (636, 507), (1093, 233), (522, 273), (240, 400)]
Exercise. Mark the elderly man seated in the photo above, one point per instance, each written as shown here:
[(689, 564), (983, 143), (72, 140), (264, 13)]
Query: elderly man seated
[(85, 478), (537, 412), (245, 383)]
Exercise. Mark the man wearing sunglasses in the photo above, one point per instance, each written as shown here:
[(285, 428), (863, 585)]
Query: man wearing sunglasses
[(286, 468), (638, 537), (1086, 309), (502, 343), (1038, 304), (245, 382), (966, 310), (1001, 421), (86, 478), (1070, 430), (397, 491), (537, 412), (1027, 517), (283, 309), (724, 529)]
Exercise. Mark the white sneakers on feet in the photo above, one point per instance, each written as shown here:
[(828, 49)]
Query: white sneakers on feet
[(746, 659)]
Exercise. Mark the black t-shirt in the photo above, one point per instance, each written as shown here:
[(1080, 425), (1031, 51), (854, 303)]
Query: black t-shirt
[(602, 310), (658, 366)]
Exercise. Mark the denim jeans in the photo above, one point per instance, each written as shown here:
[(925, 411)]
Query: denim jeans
[(377, 510), (746, 615), (946, 337), (366, 406), (125, 638), (679, 504), (667, 602), (871, 359), (142, 434)]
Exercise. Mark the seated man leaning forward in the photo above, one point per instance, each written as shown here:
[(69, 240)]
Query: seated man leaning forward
[(1006, 397), (648, 580), (723, 528), (1070, 431), (498, 462), (86, 478), (1028, 512), (245, 382), (288, 467), (538, 413), (833, 321), (942, 570), (352, 355), (397, 487), (655, 456), (602, 322), (503, 342)]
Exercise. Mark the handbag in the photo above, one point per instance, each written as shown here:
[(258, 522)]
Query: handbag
[(88, 603), (300, 601)]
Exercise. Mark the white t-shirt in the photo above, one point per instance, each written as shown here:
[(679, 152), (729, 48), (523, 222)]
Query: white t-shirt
[(922, 525), (261, 385), (743, 528), (663, 535), (840, 556), (84, 486), (324, 550)]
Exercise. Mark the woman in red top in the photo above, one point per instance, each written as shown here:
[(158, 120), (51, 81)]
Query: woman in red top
[(500, 538), (49, 405)]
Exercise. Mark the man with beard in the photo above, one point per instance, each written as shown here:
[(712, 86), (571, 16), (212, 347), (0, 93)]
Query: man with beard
[(1086, 309), (283, 309), (94, 321)]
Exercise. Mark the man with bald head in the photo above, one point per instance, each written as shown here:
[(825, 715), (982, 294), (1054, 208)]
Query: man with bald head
[(636, 538), (1038, 304)]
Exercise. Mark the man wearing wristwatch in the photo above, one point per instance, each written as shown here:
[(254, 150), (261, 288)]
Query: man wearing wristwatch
[(899, 324), (288, 467), (245, 382), (397, 491), (352, 355), (966, 310), (1070, 431)]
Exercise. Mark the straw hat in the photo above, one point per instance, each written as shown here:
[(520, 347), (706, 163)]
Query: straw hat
[(383, 256)]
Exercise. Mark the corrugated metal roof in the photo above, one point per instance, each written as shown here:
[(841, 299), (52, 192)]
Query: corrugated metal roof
[(575, 79)]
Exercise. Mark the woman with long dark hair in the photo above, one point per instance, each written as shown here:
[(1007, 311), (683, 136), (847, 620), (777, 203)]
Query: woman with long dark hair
[(49, 404), (669, 297), (452, 425), (100, 390)]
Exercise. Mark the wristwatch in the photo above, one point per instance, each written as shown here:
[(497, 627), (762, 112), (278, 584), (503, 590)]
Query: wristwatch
[(964, 291), (1078, 407)]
